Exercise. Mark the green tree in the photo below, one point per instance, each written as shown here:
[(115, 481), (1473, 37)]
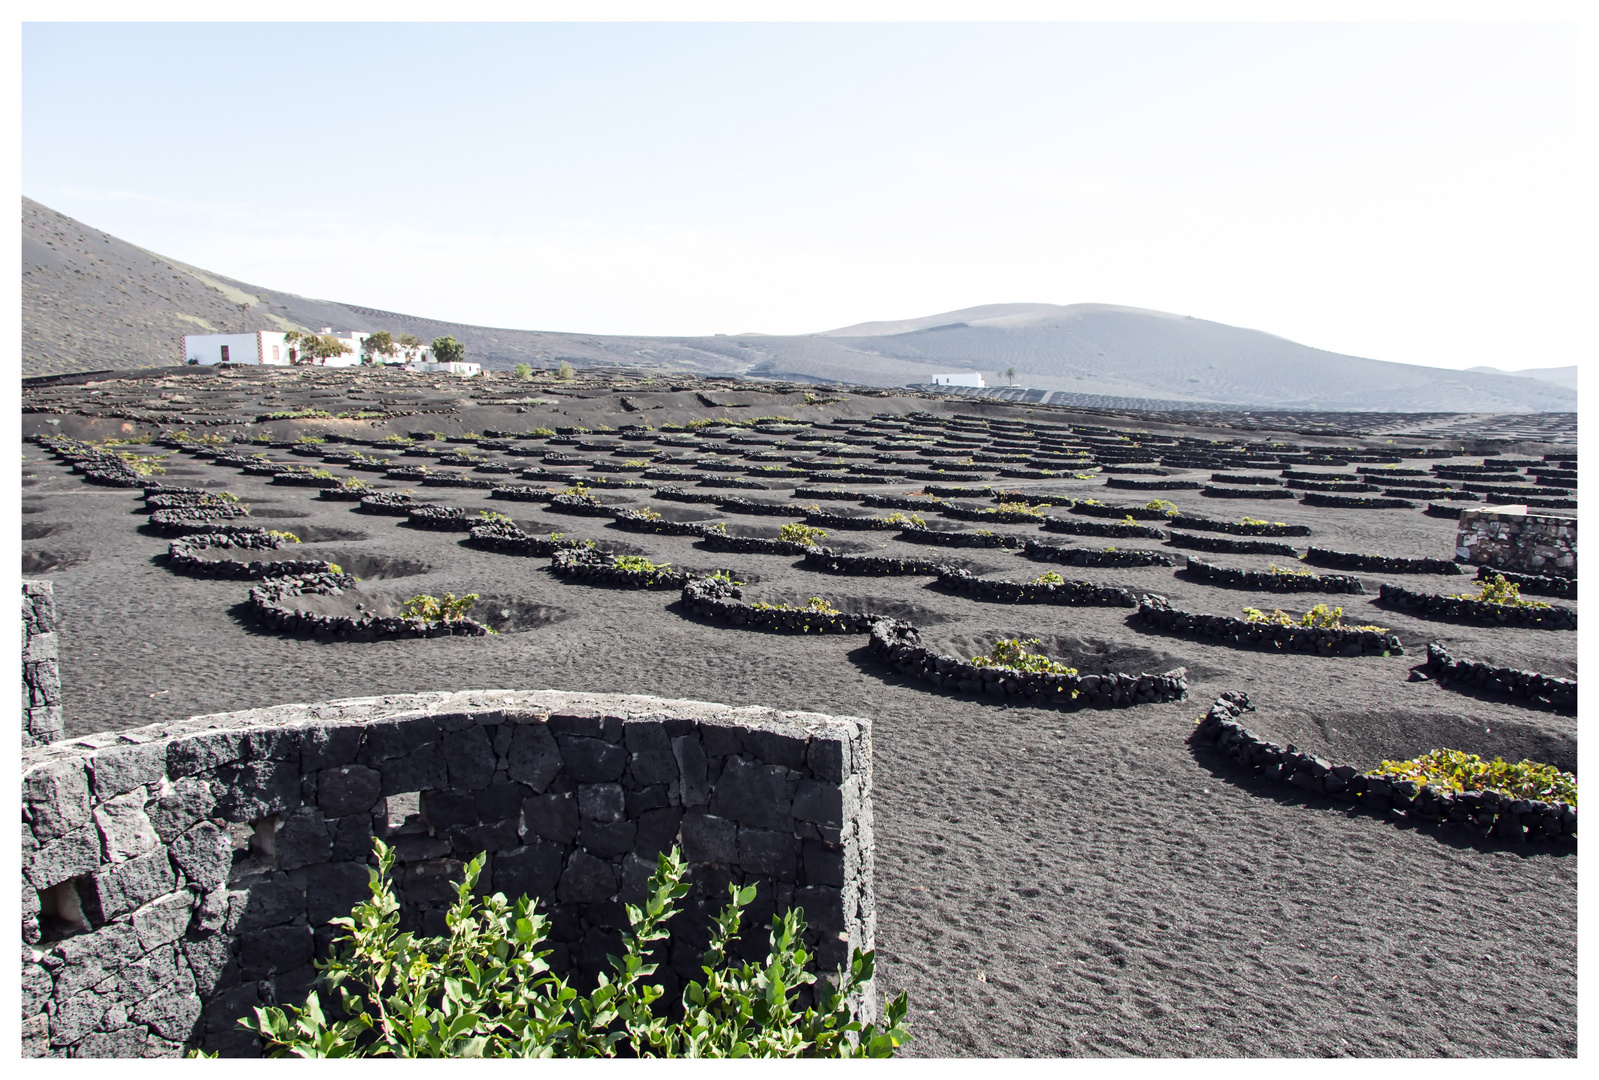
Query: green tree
[(565, 372), (326, 347), (1010, 374), (446, 350), (410, 343), (524, 371), (380, 344), (312, 347)]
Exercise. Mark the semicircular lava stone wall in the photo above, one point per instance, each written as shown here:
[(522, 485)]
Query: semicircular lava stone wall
[(1282, 581), (1156, 612), (1228, 546), (200, 862), (1468, 609), (898, 644), (1531, 584), (1485, 813), (1348, 560)]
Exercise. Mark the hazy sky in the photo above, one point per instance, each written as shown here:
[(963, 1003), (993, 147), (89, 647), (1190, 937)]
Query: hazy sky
[(1404, 192)]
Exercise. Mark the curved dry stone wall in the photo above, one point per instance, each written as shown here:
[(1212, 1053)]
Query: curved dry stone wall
[(1102, 528), (897, 643), (387, 503), (1157, 613), (750, 545), (1355, 502), (185, 556), (1532, 584), (1137, 513), (718, 598), (177, 876), (1211, 491), (1484, 812), (1434, 605), (511, 540), (823, 559), (1267, 581), (1525, 687), (1347, 560), (959, 538), (594, 567), (1077, 556), (1226, 546), (41, 670), (965, 583), (1240, 528), (1153, 485), (271, 604)]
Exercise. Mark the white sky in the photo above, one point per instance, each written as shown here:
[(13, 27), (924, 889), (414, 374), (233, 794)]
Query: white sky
[(1405, 192)]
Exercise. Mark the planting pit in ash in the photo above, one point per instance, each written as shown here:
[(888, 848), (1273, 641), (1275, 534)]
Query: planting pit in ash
[(890, 606), (501, 613), (42, 562), (678, 512), (363, 564), (603, 543), (38, 530), (313, 534), (498, 612)]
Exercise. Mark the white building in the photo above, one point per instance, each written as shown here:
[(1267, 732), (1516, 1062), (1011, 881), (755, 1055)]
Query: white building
[(452, 367), (260, 347), (273, 347), (959, 379)]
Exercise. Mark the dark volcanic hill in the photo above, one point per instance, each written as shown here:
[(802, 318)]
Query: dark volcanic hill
[(91, 302)]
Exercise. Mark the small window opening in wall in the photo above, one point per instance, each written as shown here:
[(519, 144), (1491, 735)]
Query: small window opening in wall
[(406, 816), (224, 354), (274, 354), (61, 911), (255, 846)]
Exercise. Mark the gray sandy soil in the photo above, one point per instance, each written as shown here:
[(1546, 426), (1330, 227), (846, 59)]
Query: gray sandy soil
[(1047, 882)]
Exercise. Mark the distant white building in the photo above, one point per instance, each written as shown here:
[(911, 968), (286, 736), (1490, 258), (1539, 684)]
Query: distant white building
[(959, 379), (451, 367), (260, 347), (273, 347)]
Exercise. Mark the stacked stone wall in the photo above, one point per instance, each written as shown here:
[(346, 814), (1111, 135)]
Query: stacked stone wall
[(1528, 543), (1529, 687), (1349, 560), (41, 667), (1469, 609), (1531, 584), (898, 644), (177, 876), (1488, 813), (1266, 581), (1156, 612)]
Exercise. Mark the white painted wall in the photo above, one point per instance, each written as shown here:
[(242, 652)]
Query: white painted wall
[(274, 350), (207, 348), (971, 378), (457, 367)]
